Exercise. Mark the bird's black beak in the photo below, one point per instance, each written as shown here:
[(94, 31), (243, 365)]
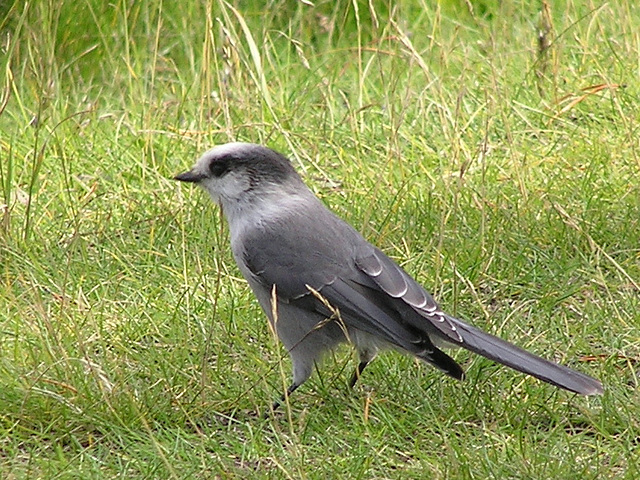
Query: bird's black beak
[(190, 177)]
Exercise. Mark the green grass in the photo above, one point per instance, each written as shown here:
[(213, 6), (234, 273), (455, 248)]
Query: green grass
[(495, 172)]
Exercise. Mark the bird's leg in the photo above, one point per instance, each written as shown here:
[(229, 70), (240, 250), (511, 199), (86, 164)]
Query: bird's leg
[(359, 369), (365, 355), (292, 388)]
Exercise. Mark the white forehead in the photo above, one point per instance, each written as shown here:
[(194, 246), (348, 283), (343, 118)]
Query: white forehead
[(233, 148)]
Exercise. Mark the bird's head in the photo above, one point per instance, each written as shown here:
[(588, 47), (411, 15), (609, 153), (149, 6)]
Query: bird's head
[(239, 172)]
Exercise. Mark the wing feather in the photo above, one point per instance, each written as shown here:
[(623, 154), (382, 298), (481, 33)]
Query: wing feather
[(393, 280)]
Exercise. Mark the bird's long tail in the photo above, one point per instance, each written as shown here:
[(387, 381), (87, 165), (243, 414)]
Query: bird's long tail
[(515, 357)]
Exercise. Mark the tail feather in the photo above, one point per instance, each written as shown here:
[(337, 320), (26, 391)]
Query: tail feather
[(519, 359), (442, 362)]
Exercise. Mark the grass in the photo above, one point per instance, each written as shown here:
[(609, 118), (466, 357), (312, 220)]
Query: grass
[(499, 167)]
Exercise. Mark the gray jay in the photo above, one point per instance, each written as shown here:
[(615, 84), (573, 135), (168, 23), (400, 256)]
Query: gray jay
[(320, 283)]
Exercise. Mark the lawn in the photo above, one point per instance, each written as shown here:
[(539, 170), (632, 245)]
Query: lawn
[(492, 148)]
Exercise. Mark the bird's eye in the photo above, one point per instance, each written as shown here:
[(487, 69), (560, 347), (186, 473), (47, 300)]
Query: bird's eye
[(218, 169)]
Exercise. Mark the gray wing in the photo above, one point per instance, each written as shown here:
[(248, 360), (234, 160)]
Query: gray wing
[(321, 254)]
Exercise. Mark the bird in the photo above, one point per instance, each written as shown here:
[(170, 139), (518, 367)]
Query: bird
[(321, 283)]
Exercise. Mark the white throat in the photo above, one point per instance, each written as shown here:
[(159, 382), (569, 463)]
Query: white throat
[(262, 211)]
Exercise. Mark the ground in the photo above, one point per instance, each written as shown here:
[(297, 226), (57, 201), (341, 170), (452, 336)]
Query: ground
[(491, 148)]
